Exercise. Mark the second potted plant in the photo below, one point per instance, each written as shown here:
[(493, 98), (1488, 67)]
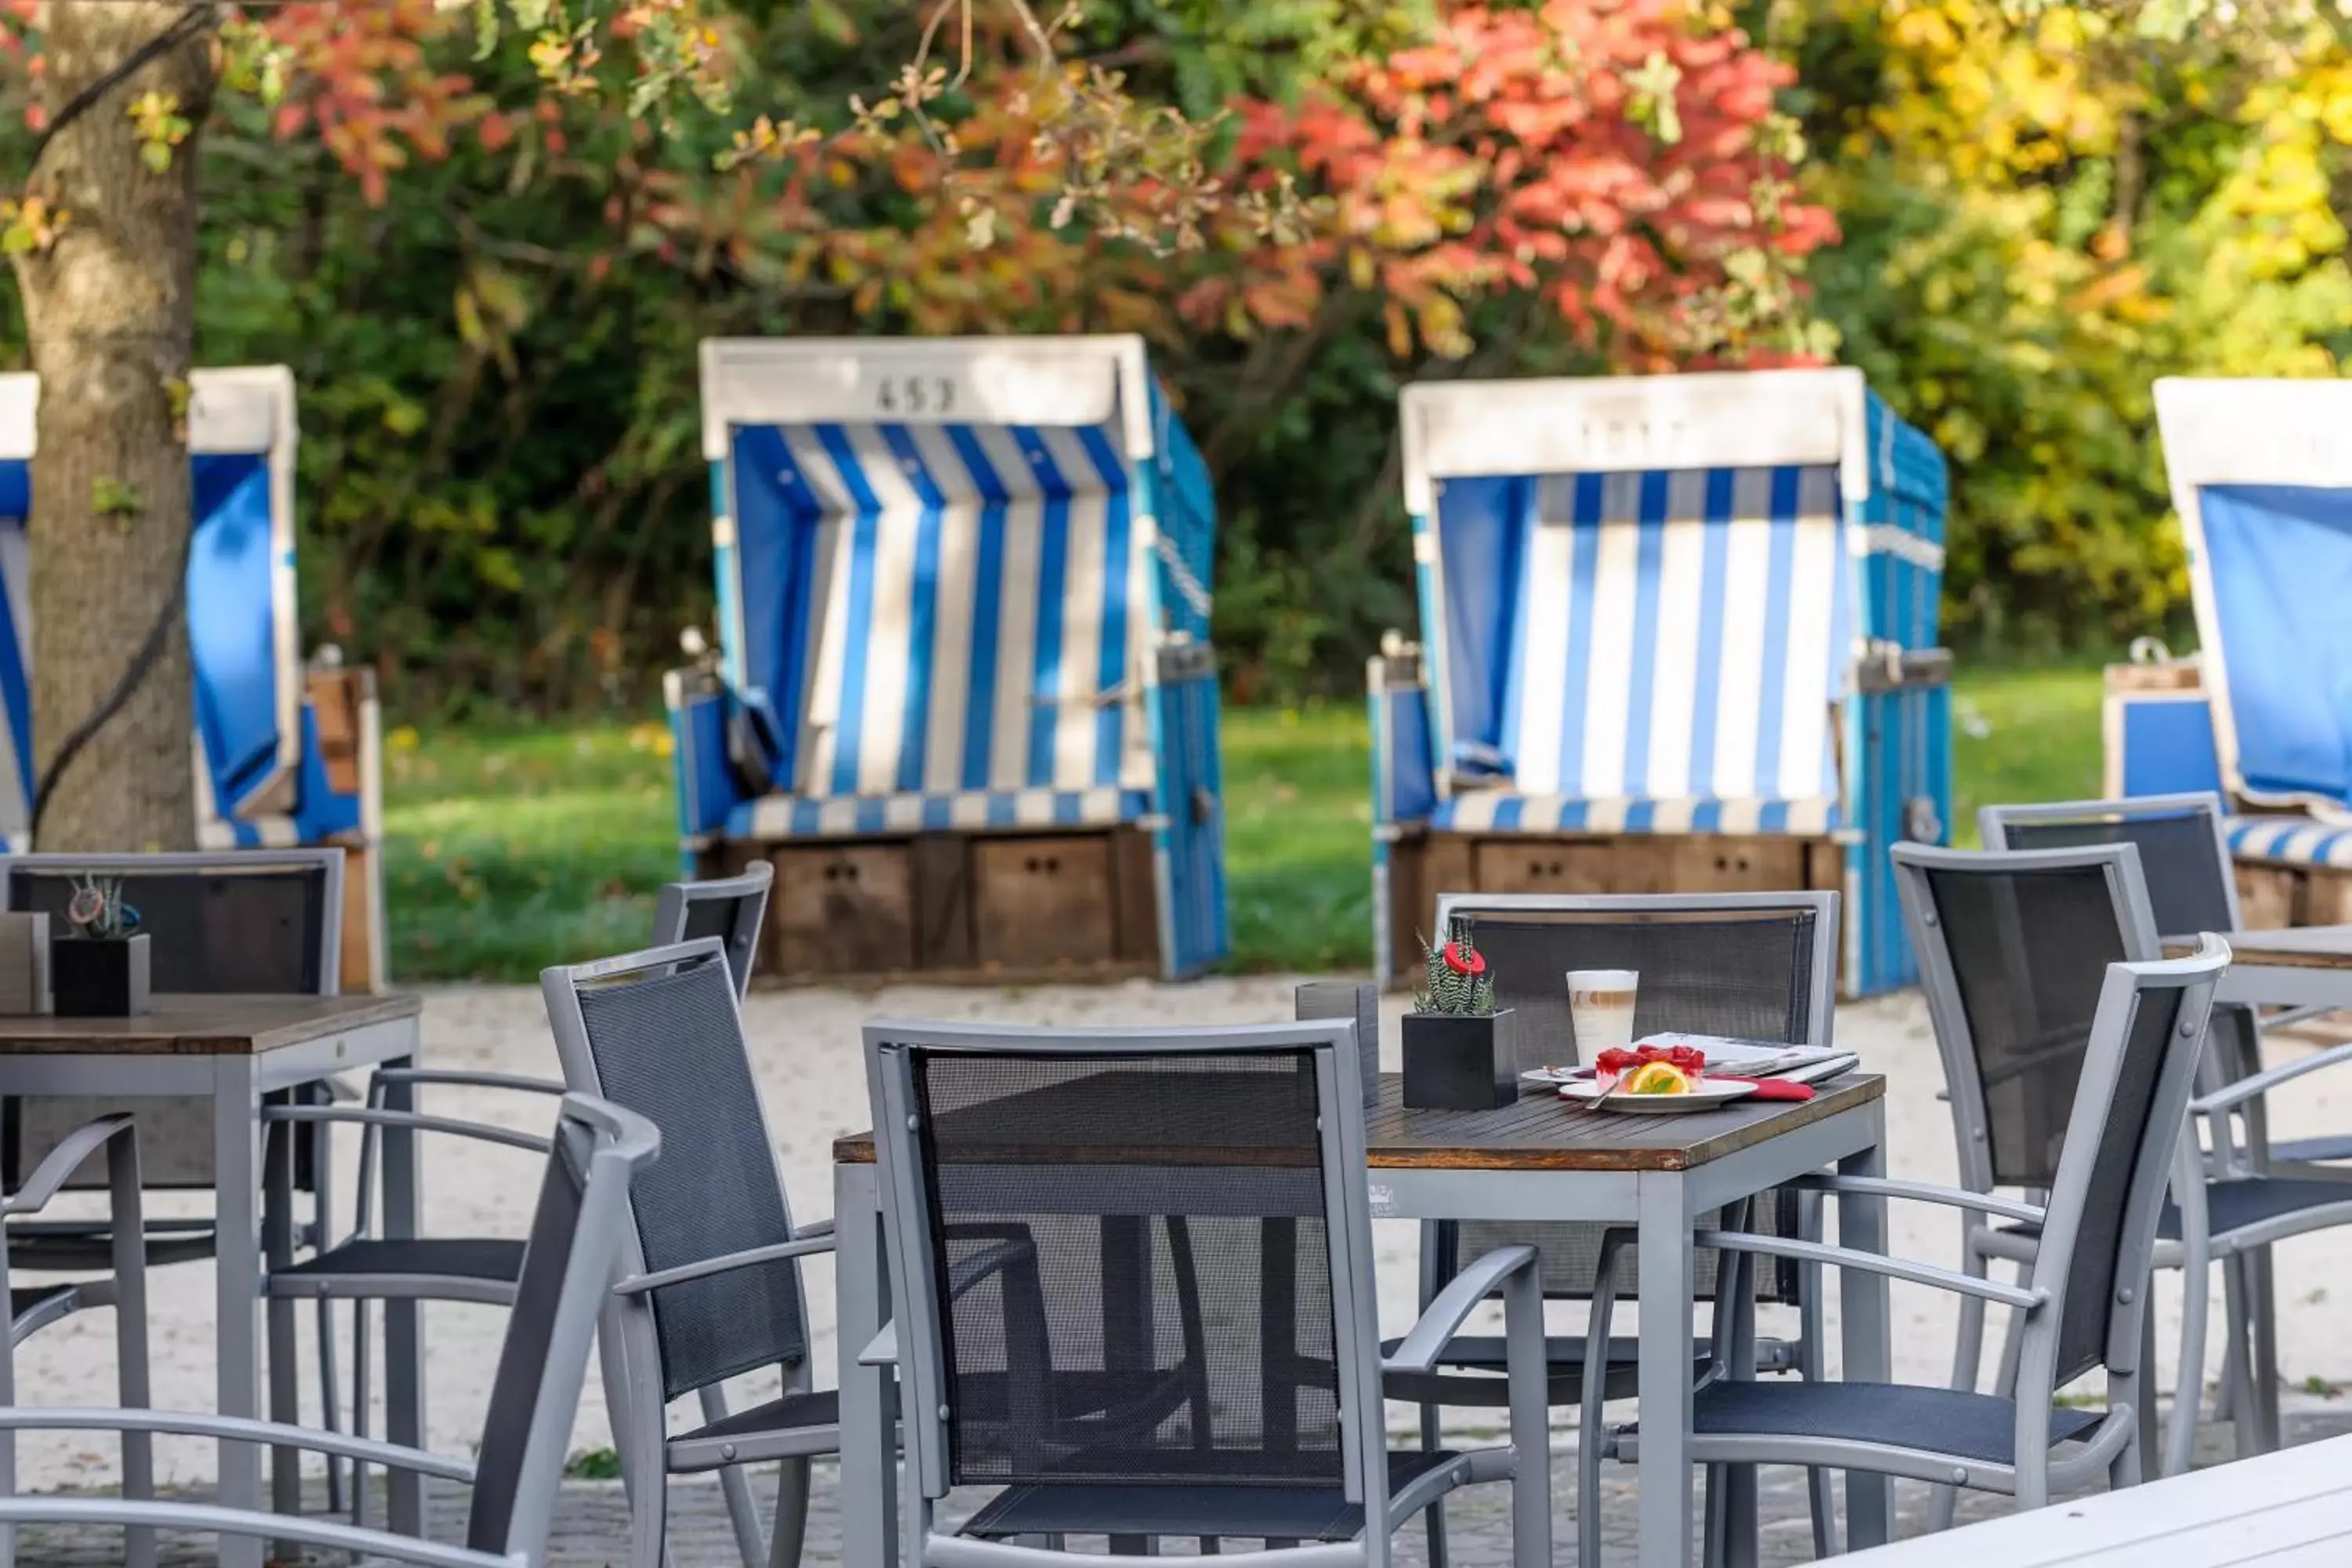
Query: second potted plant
[(99, 968), (1459, 1052)]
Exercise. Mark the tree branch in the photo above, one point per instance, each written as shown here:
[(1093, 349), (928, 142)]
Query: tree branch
[(190, 23)]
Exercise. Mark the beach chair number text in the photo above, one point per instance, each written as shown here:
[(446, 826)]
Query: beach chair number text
[(933, 394)]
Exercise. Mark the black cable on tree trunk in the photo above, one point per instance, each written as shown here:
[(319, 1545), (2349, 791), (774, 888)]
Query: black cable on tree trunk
[(151, 648)]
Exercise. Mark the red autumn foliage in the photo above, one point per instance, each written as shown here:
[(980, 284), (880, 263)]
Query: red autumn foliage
[(1599, 153)]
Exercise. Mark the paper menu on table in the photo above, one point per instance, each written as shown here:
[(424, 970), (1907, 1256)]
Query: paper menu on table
[(1750, 1058)]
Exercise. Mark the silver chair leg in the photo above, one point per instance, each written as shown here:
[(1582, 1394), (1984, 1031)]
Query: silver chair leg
[(2188, 1377), (2263, 1304), (129, 1249), (2144, 1389), (735, 1489), (1589, 1443), (330, 1401), (791, 1514), (322, 1215), (1812, 1366), (2237, 1372), (360, 1391), (1434, 1516)]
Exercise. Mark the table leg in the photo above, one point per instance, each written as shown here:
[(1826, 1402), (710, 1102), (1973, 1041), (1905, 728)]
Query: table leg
[(1740, 1498), (1665, 1273), (869, 1468), (1868, 1355), (236, 1165), (403, 1338)]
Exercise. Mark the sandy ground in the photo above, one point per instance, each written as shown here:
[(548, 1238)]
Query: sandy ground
[(805, 1045)]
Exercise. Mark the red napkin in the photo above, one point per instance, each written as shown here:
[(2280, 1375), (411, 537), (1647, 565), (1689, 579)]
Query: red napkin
[(1772, 1088)]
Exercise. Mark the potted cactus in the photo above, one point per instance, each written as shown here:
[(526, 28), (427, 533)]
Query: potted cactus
[(1459, 1052), (98, 968)]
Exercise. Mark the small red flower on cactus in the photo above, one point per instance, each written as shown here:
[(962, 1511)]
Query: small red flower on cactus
[(1457, 981)]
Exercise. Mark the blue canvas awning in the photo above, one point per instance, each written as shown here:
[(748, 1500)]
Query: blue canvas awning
[(2261, 475), (242, 628)]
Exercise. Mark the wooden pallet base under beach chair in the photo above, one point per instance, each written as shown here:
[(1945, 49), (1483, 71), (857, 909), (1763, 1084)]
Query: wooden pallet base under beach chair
[(1068, 904), (1423, 865)]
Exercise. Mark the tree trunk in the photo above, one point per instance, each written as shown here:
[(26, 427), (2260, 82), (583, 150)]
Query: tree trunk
[(110, 309)]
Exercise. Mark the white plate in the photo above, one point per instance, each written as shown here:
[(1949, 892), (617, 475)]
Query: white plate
[(1710, 1093)]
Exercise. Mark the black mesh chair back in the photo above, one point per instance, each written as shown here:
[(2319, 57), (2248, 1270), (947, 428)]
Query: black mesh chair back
[(1128, 1259), (731, 908), (2015, 947), (658, 1032), (247, 923), (2095, 1262), (2191, 883), (1748, 968), (2183, 857), (2123, 1147), (567, 1263), (1744, 974)]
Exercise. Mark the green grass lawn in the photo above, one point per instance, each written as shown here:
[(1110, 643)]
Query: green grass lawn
[(510, 852)]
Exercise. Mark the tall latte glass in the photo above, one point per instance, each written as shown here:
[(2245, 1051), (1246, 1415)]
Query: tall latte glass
[(1601, 1010)]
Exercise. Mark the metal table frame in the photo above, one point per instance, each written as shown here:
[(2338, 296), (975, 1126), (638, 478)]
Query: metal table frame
[(1662, 1204), (236, 1084)]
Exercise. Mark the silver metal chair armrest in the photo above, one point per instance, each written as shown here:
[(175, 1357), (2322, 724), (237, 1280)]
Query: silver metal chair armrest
[(415, 1122), (882, 1350), (49, 1177), (814, 1227), (2288, 1017), (195, 1424), (361, 1545), (1444, 1318), (1926, 1193), (747, 1258), (2262, 1083), (515, 1081), (1875, 1263)]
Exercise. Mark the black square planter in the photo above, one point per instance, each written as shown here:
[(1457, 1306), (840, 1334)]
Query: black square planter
[(1459, 1062), (99, 977)]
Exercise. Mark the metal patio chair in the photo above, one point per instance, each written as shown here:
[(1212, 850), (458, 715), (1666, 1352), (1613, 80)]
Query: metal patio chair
[(2084, 1304), (1133, 1271), (248, 921), (1759, 966), (710, 1286), (2010, 942), (362, 1268), (534, 1395), (2184, 855), (123, 1287)]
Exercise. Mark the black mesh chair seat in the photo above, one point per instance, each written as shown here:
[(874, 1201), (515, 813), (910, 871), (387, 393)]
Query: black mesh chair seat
[(2255, 1200), (2312, 1150), (79, 1247), (793, 1413), (1470, 1371), (483, 1260), (1247, 1512), (1937, 1420)]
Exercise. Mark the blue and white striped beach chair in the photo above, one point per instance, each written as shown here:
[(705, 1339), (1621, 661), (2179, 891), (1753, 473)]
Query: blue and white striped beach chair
[(1678, 633), (965, 697), (266, 774), (2261, 475)]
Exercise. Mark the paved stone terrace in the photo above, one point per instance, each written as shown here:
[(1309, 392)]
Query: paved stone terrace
[(591, 1530)]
